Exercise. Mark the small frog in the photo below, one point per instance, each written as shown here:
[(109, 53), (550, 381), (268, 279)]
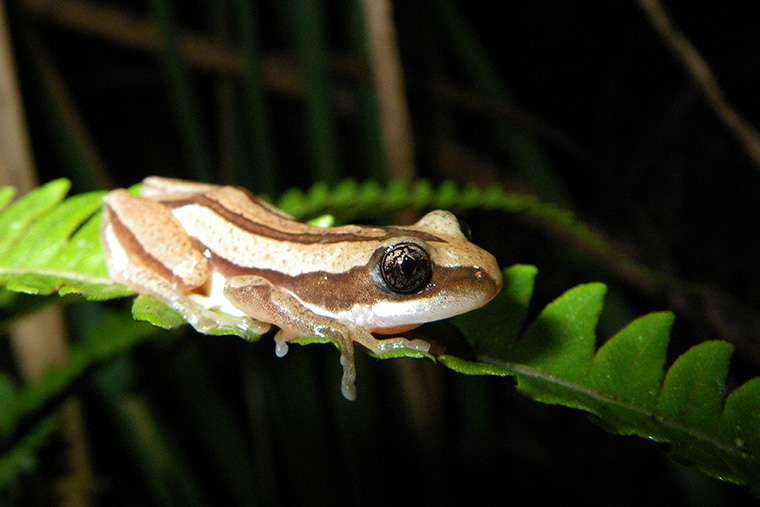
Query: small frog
[(224, 258)]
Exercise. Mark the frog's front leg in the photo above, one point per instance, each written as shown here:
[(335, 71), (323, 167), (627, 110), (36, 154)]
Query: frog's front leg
[(257, 297)]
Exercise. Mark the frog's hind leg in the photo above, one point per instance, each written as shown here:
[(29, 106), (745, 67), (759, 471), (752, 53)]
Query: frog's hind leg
[(149, 252)]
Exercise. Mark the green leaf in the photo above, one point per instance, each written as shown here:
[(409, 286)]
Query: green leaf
[(741, 419), (151, 310), (48, 244), (624, 383), (6, 196), (475, 367), (48, 235), (562, 340), (494, 329), (694, 388), (15, 220), (630, 366)]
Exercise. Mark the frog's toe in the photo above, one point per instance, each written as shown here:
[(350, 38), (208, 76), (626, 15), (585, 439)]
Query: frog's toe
[(281, 343), (419, 345), (348, 383)]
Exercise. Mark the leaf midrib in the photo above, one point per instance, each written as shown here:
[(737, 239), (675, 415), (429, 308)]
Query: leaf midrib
[(69, 275), (721, 446)]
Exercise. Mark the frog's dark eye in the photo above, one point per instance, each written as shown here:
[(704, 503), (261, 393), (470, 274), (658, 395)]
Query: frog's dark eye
[(405, 268)]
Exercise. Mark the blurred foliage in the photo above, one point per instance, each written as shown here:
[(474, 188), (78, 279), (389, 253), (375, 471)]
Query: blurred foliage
[(580, 105)]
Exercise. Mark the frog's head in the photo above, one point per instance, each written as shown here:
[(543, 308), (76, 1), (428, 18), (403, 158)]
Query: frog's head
[(431, 271)]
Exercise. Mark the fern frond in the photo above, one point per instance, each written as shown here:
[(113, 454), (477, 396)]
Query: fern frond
[(49, 244), (624, 383)]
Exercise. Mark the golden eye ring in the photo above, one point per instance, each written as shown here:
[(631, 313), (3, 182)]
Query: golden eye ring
[(405, 268)]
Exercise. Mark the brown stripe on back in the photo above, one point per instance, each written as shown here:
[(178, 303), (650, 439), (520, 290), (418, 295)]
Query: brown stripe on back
[(320, 288), (336, 292), (310, 235), (130, 243)]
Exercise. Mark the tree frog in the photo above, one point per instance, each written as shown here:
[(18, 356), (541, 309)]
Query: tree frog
[(224, 258)]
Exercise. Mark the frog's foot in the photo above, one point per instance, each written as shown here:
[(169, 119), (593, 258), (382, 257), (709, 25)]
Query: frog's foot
[(348, 383), (385, 345), (206, 316), (211, 321), (344, 339), (281, 339)]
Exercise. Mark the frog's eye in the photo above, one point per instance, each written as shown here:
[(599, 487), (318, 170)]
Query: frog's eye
[(405, 268)]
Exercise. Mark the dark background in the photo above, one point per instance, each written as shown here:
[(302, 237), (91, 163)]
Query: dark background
[(628, 143)]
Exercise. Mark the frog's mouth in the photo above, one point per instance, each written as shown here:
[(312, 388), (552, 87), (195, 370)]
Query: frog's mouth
[(396, 330)]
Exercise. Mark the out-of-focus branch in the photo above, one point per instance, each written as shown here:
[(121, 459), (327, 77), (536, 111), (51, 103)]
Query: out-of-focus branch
[(703, 78), (124, 28), (201, 52), (388, 79), (16, 165)]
